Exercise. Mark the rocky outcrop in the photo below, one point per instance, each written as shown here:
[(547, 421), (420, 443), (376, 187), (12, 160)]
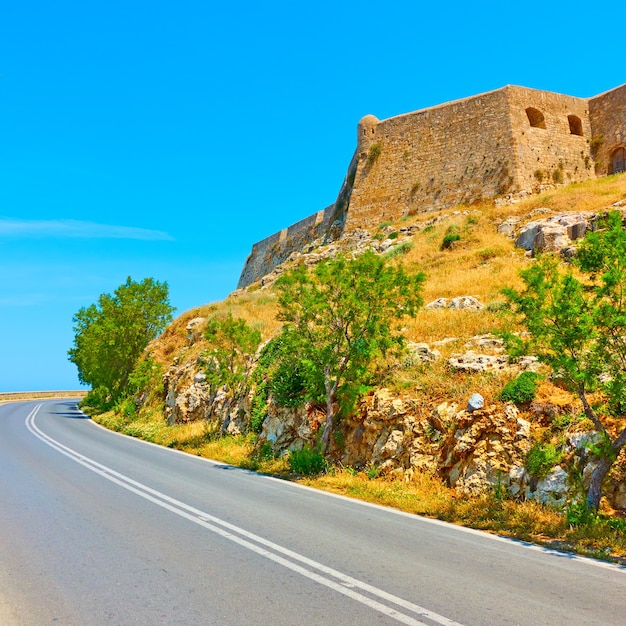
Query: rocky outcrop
[(459, 303), (470, 449), (556, 233), (188, 398)]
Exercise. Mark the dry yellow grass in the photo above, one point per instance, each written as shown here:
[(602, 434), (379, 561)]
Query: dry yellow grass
[(480, 264)]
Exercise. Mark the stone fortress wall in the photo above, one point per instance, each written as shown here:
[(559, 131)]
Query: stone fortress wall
[(501, 142), (608, 115), (274, 250)]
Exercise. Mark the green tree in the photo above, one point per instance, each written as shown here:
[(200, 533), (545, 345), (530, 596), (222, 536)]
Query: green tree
[(340, 318), (110, 336), (230, 359), (576, 324)]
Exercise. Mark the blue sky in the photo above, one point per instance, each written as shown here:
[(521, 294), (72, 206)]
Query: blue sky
[(163, 139)]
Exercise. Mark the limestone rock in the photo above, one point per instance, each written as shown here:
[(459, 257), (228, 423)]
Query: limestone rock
[(508, 226), (420, 353), (554, 233), (473, 362), (289, 428), (460, 302), (194, 329), (465, 302), (486, 342), (553, 489), (476, 402), (439, 303)]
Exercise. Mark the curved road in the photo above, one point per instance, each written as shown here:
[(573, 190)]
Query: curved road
[(97, 528)]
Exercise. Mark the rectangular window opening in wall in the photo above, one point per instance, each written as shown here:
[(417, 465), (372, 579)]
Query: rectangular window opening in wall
[(536, 118), (618, 161), (575, 125)]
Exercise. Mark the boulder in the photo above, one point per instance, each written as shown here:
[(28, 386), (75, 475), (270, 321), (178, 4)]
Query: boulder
[(554, 233), (465, 302), (460, 302), (194, 329), (420, 353), (476, 402), (553, 489)]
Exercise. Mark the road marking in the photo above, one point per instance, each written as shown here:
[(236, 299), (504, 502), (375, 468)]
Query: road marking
[(324, 575)]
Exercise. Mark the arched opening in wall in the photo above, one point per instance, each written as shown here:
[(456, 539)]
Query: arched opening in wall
[(618, 161), (575, 125), (536, 118)]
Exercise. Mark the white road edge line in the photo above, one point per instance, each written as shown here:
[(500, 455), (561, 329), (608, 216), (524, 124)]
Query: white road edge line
[(355, 501), (218, 526)]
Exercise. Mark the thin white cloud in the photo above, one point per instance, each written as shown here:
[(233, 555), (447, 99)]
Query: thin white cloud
[(62, 229)]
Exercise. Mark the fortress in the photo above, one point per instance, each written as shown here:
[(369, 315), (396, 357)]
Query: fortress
[(506, 141)]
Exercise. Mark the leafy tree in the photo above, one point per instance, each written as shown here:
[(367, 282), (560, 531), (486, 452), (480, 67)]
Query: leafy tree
[(340, 318), (577, 325), (110, 336), (231, 357)]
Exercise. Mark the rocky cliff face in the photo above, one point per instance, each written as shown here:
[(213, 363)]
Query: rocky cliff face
[(471, 449), (470, 446)]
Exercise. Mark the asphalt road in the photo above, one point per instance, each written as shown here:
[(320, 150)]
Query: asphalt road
[(97, 528)]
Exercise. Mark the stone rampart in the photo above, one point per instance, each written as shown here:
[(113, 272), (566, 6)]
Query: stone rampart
[(431, 159), (509, 140), (608, 115), (276, 249), (551, 134)]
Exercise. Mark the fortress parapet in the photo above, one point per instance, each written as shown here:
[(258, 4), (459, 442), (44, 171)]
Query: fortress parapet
[(505, 141)]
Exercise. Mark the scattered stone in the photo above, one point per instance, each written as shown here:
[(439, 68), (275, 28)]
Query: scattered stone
[(486, 342), (439, 303), (553, 489), (476, 402), (460, 302), (465, 302), (528, 363), (386, 244), (472, 362), (420, 353), (194, 329), (508, 226)]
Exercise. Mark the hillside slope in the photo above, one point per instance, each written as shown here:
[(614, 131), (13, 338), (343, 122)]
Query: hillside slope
[(418, 418)]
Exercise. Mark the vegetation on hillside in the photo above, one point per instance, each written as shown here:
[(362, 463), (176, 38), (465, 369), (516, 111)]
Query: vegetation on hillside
[(480, 263), (110, 337), (577, 325), (340, 318)]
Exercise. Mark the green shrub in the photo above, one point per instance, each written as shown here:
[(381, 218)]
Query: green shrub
[(497, 305), (399, 250), (374, 153), (146, 377), (258, 408), (287, 384), (393, 235), (541, 458), (449, 240), (126, 408), (521, 389), (307, 462), (96, 401)]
